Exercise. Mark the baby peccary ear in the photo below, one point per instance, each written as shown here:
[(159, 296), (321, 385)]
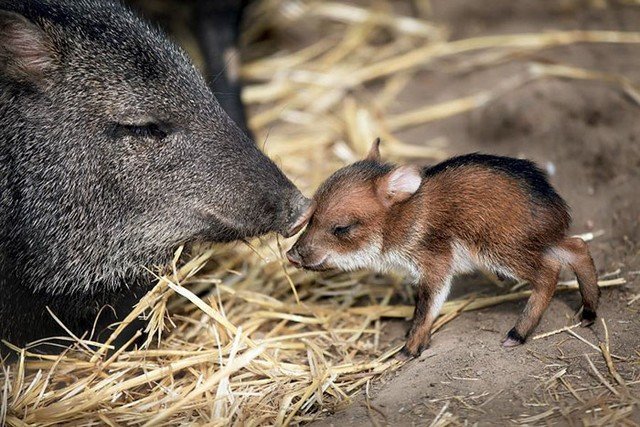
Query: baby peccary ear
[(400, 184), (374, 151), (25, 54)]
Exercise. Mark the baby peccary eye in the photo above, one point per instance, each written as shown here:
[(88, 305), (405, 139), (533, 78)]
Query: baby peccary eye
[(342, 230), (146, 130)]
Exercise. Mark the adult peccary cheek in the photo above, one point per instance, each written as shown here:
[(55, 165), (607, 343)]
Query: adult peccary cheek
[(113, 152)]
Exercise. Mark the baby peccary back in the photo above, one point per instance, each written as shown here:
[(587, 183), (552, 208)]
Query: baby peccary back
[(472, 211)]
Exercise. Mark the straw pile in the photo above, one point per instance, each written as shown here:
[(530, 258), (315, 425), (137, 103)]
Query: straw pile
[(236, 336)]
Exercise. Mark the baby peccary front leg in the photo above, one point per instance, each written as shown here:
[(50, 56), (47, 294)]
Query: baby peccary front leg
[(420, 332), (429, 301), (543, 284)]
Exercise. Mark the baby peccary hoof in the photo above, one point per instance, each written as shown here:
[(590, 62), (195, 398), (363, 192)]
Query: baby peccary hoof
[(406, 354), (513, 339), (588, 317)]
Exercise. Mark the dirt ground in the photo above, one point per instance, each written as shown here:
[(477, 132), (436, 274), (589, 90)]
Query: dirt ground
[(588, 135)]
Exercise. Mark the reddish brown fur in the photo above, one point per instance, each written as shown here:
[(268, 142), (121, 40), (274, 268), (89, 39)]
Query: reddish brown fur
[(459, 217)]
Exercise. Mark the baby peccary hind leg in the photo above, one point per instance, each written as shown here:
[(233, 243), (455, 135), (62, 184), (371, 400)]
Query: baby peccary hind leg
[(543, 285), (582, 265)]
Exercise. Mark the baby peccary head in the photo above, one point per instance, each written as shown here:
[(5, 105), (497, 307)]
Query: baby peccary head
[(348, 227)]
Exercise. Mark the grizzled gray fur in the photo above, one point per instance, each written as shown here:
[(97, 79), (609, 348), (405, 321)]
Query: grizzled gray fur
[(113, 152)]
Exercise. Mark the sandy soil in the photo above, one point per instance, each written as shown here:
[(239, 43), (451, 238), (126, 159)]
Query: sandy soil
[(588, 133)]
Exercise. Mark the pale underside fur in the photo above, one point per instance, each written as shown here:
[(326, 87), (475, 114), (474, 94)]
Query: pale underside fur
[(372, 257)]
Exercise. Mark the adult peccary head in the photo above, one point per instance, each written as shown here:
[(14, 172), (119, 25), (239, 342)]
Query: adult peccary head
[(113, 152)]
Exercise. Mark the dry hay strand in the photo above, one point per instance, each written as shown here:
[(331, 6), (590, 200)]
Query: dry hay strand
[(602, 397), (235, 335), (236, 348)]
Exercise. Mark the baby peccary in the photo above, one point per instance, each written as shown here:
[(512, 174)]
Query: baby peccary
[(471, 211)]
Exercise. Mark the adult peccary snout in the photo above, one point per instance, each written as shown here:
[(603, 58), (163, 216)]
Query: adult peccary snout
[(113, 152), (300, 215)]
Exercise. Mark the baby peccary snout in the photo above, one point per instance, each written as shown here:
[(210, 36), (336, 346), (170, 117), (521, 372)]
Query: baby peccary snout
[(472, 211)]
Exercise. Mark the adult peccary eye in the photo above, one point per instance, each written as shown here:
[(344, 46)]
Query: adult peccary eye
[(342, 230), (146, 130)]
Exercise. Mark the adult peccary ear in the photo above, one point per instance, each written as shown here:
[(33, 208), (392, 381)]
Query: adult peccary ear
[(25, 53), (374, 151), (399, 184)]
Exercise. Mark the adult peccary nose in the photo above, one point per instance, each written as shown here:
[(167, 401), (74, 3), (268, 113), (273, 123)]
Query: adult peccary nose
[(294, 256), (301, 210)]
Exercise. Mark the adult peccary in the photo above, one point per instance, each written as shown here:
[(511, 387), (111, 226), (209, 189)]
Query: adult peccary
[(113, 152)]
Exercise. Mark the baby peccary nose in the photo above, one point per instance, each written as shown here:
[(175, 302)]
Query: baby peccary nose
[(303, 210)]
